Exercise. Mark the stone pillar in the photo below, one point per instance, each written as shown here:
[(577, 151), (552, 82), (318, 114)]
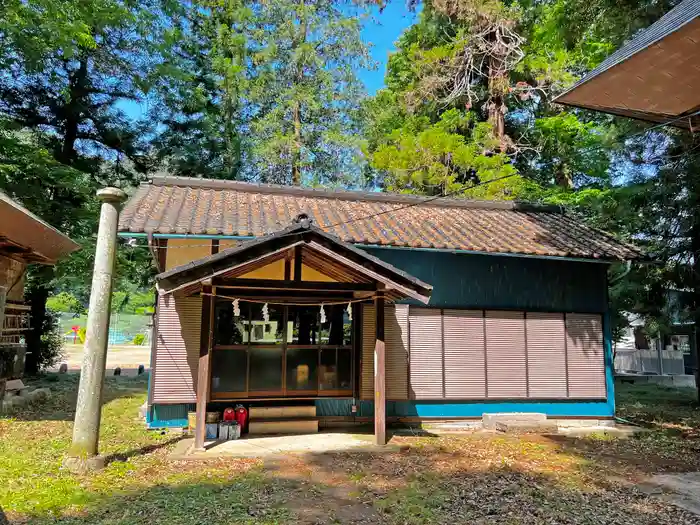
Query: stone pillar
[(83, 454)]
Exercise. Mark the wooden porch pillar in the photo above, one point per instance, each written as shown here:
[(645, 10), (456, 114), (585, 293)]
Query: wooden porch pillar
[(379, 375), (203, 369)]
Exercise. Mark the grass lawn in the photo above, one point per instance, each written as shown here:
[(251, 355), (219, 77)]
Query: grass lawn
[(471, 478)]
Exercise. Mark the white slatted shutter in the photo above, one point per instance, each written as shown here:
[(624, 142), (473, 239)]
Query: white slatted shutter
[(585, 356), (546, 355), (505, 354), (465, 373), (177, 349), (425, 332)]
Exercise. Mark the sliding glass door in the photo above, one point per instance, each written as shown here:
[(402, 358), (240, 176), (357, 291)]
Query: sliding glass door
[(285, 351)]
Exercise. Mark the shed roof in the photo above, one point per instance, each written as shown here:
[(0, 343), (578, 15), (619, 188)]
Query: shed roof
[(25, 236), (654, 77), (178, 205)]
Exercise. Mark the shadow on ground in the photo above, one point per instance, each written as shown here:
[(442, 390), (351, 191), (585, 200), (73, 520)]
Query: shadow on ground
[(429, 483), (141, 451)]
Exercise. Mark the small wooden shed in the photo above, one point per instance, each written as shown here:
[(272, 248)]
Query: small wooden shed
[(372, 307), (24, 239)]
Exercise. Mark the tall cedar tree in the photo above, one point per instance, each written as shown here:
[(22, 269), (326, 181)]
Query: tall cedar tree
[(307, 92), (204, 99)]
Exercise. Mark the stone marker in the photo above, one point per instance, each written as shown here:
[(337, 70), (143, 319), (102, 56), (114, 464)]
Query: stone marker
[(117, 371), (141, 370), (63, 368)]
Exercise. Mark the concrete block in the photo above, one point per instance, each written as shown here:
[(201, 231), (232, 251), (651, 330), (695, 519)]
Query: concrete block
[(453, 426), (617, 432), (490, 420), (15, 385), (80, 465), (584, 423), (526, 427)]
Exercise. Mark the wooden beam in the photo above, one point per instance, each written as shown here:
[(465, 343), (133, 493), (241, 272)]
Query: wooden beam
[(203, 369), (292, 296), (379, 374), (287, 268), (214, 246), (275, 284), (297, 263), (162, 245)]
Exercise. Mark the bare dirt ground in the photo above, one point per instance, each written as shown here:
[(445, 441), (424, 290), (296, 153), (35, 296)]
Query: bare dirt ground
[(123, 356)]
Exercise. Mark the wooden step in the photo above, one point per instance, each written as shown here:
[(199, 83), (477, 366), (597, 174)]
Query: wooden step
[(259, 413), (282, 426)]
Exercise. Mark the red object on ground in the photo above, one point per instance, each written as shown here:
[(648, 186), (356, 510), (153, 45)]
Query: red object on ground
[(229, 414), (242, 418)]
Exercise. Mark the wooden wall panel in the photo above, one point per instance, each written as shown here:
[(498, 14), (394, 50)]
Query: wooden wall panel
[(465, 373), (505, 354), (585, 356), (546, 355), (396, 333), (177, 349), (426, 359)]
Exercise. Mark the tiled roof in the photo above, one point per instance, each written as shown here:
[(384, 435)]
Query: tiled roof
[(178, 205)]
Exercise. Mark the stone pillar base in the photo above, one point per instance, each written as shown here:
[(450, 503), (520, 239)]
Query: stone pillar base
[(80, 465)]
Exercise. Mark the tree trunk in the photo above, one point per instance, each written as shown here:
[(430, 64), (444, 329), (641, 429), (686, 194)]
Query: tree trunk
[(562, 177), (296, 107), (296, 158), (230, 130), (74, 109), (498, 82), (37, 295), (695, 247)]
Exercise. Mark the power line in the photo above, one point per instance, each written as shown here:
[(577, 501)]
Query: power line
[(424, 201), (643, 132)]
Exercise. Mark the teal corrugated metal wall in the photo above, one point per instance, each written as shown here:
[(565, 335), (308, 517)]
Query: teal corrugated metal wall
[(169, 416), (486, 281)]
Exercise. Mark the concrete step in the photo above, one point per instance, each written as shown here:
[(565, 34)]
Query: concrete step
[(282, 426), (259, 413), (489, 420)]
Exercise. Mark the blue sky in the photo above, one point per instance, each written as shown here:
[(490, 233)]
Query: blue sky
[(381, 30)]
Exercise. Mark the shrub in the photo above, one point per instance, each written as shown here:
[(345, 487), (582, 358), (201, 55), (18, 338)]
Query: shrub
[(139, 339), (51, 342), (65, 302)]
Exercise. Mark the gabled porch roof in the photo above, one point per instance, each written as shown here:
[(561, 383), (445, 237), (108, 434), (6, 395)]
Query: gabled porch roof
[(347, 267)]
